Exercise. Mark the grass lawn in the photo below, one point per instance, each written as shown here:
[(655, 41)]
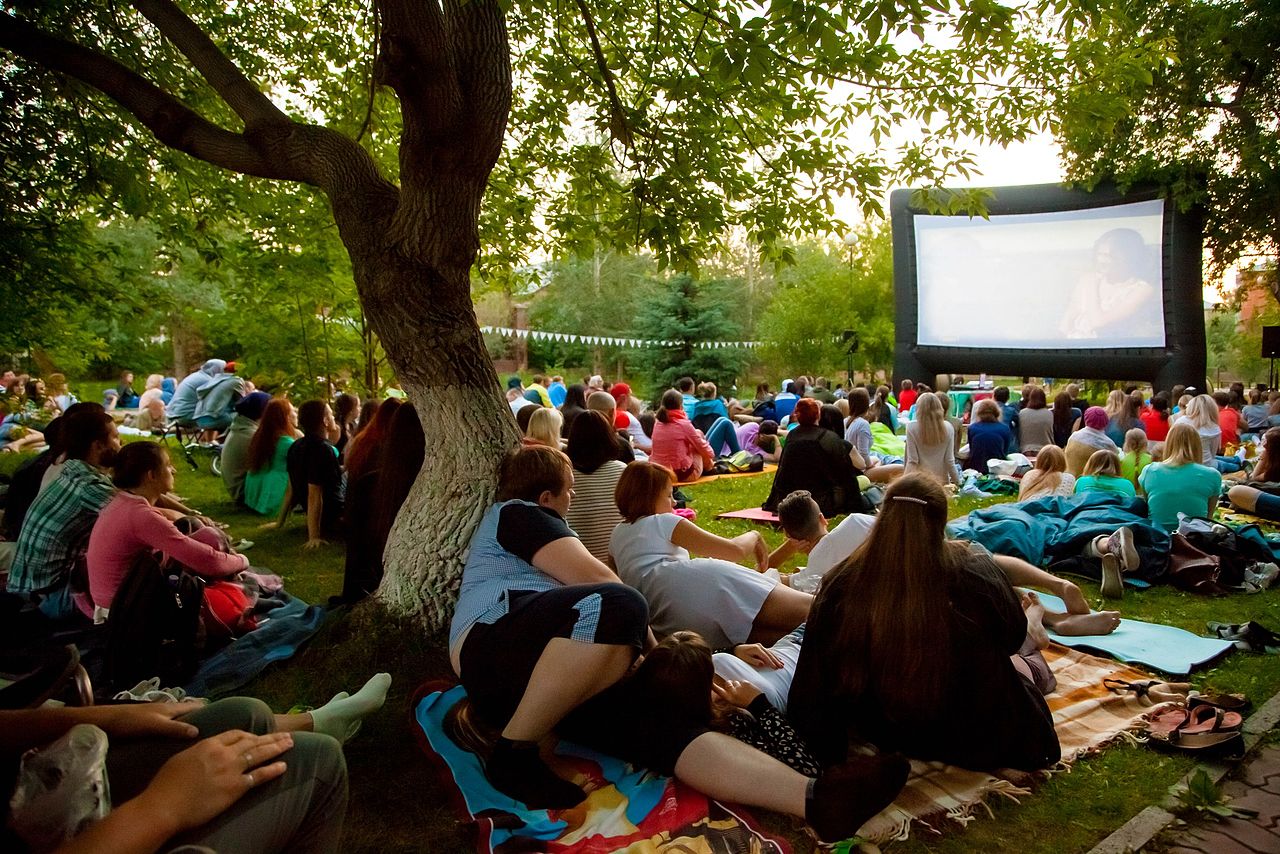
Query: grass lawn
[(398, 805)]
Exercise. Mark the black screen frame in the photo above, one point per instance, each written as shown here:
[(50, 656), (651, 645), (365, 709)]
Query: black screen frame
[(1181, 361)]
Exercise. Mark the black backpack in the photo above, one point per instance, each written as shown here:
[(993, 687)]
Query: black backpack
[(154, 627)]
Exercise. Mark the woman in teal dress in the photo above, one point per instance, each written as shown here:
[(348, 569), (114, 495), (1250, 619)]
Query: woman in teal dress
[(268, 478)]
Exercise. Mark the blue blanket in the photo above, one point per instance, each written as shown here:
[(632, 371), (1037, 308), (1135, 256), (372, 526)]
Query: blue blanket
[(1166, 648), (1045, 530), (285, 622)]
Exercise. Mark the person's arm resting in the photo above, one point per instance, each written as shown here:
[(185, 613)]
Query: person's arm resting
[(542, 538), (690, 537)]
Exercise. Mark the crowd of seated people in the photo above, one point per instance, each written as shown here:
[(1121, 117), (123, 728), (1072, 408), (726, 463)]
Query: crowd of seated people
[(591, 609)]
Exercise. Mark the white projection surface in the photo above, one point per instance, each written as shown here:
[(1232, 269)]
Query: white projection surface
[(1060, 280)]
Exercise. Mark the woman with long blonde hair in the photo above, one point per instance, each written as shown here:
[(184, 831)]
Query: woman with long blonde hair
[(931, 441), (898, 657), (1049, 478), (1102, 474), (1180, 483)]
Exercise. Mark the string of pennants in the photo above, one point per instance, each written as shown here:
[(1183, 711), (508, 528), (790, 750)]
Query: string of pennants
[(539, 335)]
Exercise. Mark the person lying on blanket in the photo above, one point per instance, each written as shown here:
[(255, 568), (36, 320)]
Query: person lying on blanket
[(725, 603), (806, 529), (542, 630), (921, 645)]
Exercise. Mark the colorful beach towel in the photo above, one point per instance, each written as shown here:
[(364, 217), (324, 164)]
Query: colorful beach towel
[(1166, 648), (627, 810), (1086, 716)]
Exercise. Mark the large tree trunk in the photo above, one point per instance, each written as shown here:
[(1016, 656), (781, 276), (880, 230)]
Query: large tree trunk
[(430, 334)]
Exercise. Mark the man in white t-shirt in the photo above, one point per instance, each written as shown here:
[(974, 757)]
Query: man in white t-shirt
[(806, 531)]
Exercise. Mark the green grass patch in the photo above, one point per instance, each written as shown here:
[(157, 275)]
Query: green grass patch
[(397, 804)]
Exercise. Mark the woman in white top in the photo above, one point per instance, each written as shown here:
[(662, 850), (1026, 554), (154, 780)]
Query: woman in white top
[(931, 441), (593, 513), (726, 603)]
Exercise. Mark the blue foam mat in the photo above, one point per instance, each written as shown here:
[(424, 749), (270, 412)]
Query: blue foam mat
[(1166, 648)]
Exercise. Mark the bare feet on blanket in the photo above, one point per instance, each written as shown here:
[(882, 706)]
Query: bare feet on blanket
[(1077, 625), (1034, 610), (1072, 597)]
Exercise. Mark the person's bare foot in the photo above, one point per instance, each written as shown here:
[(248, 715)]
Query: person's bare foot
[(1078, 625), (1072, 597), (1034, 609)]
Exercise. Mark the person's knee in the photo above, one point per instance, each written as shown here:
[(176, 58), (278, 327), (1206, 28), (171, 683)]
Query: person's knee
[(317, 756), (1243, 496), (625, 607), (244, 713)]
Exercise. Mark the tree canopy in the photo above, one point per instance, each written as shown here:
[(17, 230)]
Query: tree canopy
[(1185, 94), (452, 136)]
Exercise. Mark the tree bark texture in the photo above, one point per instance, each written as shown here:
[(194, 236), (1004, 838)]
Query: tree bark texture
[(412, 247)]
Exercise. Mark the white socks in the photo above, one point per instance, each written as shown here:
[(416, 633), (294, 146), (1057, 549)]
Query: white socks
[(341, 716)]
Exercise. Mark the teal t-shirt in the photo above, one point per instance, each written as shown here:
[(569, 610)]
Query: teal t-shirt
[(1186, 488), (1104, 483)]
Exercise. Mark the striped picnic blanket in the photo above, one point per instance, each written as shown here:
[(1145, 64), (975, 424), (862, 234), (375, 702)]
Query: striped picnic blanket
[(1086, 716)]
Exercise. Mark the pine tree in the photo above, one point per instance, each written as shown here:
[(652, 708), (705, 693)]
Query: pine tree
[(688, 314)]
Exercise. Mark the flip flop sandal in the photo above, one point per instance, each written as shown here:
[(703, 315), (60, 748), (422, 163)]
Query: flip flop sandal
[(1226, 702), (1222, 744), (1152, 689), (1203, 719), (1163, 724), (1129, 557), (1112, 585)]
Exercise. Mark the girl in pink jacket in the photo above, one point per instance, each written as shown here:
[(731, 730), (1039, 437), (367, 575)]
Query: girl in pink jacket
[(677, 444)]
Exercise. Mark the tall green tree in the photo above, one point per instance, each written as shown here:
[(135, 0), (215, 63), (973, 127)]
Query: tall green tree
[(690, 318), (611, 120), (1185, 94), (832, 288)]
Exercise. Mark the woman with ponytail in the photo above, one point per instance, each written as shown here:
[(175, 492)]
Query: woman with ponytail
[(677, 444)]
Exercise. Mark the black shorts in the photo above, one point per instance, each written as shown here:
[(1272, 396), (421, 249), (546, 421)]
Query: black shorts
[(498, 658), (621, 722)]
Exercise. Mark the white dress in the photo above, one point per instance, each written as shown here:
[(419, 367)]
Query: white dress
[(715, 598)]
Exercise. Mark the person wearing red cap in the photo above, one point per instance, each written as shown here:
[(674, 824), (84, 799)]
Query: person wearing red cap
[(625, 419)]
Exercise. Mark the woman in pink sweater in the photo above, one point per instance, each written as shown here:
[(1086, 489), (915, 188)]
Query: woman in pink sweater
[(130, 524), (677, 444)]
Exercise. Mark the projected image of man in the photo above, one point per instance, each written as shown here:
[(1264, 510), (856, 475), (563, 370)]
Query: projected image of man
[(1115, 299)]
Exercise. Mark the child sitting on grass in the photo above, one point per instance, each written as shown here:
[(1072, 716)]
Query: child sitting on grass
[(1135, 457), (1102, 474)]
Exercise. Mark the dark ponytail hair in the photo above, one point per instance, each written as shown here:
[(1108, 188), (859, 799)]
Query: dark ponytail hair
[(882, 619), (671, 400)]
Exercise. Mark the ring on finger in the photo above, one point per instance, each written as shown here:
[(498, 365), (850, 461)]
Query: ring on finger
[(249, 776)]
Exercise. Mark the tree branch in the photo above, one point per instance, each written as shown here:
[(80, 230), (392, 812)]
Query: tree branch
[(414, 59), (173, 123), (239, 93), (617, 116), (282, 150)]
